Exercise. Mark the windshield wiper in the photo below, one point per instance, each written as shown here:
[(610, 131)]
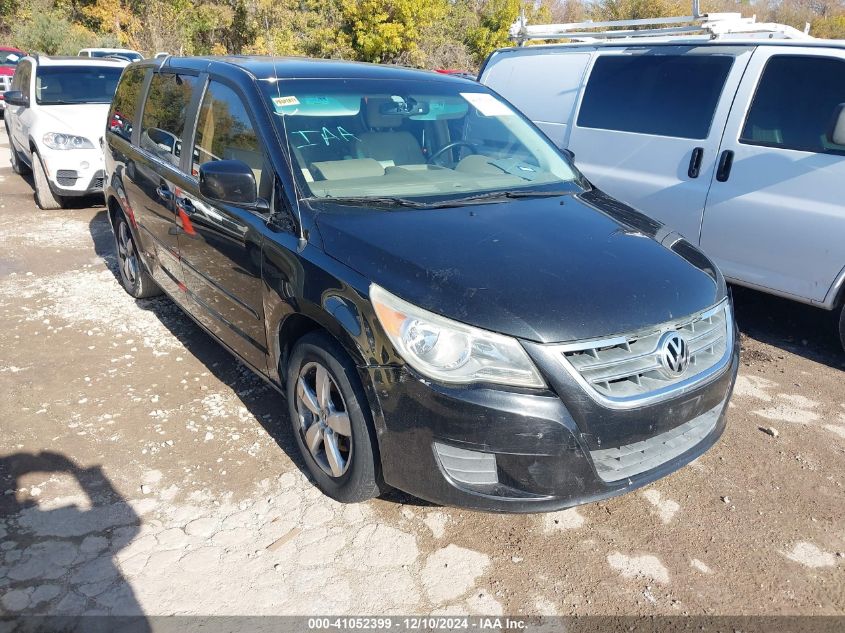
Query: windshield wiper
[(496, 195), (363, 201)]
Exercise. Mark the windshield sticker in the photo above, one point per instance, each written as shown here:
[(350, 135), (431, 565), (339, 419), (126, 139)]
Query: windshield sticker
[(281, 102), (486, 104)]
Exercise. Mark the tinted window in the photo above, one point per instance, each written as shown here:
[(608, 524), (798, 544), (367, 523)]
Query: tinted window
[(794, 104), (59, 85), (124, 106), (225, 132), (20, 81), (165, 112), (666, 95)]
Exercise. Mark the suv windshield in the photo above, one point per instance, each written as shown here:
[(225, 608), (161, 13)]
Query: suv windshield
[(377, 139), (59, 85)]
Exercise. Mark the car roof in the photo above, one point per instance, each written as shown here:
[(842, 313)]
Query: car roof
[(265, 67), (108, 50), (675, 40), (44, 60)]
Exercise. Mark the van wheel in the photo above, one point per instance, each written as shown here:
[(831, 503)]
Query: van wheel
[(44, 196), (17, 165), (331, 420), (842, 325), (135, 279)]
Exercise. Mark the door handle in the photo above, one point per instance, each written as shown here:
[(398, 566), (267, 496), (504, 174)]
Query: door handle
[(726, 161), (164, 193), (695, 162)]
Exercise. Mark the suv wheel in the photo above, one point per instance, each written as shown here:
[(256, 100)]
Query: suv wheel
[(331, 420), (842, 325), (44, 196), (135, 279), (17, 166)]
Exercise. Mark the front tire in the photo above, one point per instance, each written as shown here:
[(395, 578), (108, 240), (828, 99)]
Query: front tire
[(44, 196), (17, 166), (331, 420), (842, 325), (136, 281)]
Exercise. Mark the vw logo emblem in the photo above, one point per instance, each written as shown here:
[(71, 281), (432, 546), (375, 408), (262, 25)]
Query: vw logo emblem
[(673, 351)]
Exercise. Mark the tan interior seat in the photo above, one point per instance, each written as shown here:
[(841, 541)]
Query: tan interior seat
[(384, 142)]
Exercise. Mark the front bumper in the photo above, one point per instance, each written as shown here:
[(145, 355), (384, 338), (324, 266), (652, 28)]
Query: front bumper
[(546, 451), (75, 172)]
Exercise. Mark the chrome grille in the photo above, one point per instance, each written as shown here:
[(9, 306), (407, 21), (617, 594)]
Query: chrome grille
[(5, 83), (626, 370)]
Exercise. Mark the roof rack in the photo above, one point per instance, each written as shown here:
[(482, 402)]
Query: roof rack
[(699, 25)]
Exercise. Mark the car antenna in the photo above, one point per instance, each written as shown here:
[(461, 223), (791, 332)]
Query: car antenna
[(302, 242)]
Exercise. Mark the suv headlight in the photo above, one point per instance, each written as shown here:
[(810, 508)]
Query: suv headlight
[(452, 352), (57, 140)]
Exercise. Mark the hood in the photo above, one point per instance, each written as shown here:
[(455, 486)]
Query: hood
[(547, 270), (84, 119), (7, 71)]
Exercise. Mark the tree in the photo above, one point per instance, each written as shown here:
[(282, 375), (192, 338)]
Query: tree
[(390, 30), (495, 18)]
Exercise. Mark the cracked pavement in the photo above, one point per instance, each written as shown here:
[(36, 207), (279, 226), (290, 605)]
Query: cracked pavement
[(143, 470)]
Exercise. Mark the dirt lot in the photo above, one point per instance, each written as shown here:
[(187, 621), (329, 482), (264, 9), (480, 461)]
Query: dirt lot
[(143, 470)]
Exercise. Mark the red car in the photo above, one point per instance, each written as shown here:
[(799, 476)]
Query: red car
[(8, 60)]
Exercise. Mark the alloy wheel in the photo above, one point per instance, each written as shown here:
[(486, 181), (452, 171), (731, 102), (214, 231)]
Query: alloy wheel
[(323, 419), (126, 255)]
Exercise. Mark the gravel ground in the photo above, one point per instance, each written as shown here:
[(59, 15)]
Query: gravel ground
[(143, 470)]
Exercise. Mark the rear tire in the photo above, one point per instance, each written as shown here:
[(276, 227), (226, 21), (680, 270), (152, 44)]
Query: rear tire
[(136, 281), (335, 421), (842, 325), (44, 196)]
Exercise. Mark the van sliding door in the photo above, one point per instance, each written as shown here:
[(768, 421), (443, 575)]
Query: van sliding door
[(649, 124)]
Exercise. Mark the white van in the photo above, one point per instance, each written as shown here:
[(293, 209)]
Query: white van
[(123, 53), (730, 132)]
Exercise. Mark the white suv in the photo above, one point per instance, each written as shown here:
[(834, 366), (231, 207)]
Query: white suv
[(730, 132), (56, 114)]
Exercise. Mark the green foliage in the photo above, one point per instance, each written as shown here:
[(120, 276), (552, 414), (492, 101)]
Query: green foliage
[(389, 30), (53, 34), (425, 33), (494, 20)]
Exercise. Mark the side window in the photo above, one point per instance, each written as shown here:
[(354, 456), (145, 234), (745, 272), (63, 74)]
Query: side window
[(123, 110), (165, 111), (20, 81), (664, 95), (794, 104), (225, 132)]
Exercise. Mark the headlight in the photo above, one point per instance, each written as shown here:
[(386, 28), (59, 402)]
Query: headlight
[(56, 140), (451, 352)]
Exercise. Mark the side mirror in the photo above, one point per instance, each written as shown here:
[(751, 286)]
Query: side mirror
[(229, 181), (836, 131), (16, 98)]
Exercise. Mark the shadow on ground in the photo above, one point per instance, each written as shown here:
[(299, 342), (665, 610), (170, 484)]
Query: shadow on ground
[(57, 558), (794, 327)]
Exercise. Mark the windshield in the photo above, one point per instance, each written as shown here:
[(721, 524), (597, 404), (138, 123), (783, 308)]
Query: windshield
[(404, 139), (10, 58), (56, 85)]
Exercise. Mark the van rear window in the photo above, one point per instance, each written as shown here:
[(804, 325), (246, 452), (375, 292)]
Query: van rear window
[(663, 95)]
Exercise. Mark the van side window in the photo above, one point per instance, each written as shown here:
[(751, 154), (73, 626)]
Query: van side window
[(165, 111), (123, 110), (794, 104), (225, 132), (664, 95)]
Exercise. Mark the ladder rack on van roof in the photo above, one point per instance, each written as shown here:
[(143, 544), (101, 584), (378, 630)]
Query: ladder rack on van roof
[(706, 26)]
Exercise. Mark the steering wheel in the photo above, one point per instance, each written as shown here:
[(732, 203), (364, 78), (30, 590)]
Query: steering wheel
[(449, 146)]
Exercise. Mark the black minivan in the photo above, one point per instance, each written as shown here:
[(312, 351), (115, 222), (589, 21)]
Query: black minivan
[(448, 305)]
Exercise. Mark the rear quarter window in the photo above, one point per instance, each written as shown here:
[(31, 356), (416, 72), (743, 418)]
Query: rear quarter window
[(124, 109), (664, 95)]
